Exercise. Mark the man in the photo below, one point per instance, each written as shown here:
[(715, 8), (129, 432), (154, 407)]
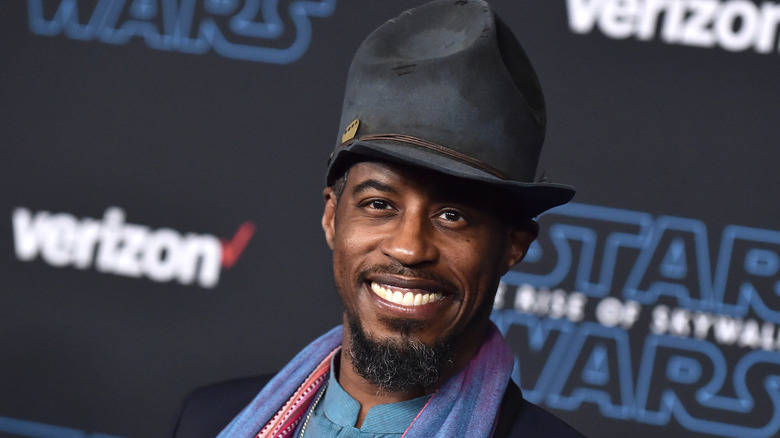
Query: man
[(430, 200)]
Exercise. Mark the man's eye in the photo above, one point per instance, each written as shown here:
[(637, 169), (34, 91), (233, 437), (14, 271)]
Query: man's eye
[(451, 215), (378, 204)]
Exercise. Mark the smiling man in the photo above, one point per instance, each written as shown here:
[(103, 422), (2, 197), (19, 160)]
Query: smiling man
[(417, 256), (430, 199)]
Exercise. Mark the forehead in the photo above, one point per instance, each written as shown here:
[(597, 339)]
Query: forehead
[(403, 178)]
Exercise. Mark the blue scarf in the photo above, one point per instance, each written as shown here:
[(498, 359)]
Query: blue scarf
[(466, 405)]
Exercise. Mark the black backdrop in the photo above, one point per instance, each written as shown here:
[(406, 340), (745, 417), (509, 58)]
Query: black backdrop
[(648, 306)]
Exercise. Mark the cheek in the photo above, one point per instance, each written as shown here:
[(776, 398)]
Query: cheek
[(356, 239), (349, 253), (481, 267), (477, 254), (340, 259)]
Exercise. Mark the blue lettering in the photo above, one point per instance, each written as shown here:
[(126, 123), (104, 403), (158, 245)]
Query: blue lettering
[(66, 19), (253, 31), (538, 346), (598, 370), (674, 263), (748, 273), (692, 384), (577, 253), (158, 25)]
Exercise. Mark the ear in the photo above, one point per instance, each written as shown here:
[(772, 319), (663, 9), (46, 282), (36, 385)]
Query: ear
[(520, 238), (329, 215)]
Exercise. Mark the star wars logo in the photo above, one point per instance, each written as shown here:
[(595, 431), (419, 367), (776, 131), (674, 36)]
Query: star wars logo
[(113, 246), (271, 31), (734, 25), (626, 312)]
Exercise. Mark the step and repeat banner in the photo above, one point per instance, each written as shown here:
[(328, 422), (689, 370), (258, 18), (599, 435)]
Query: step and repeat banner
[(162, 166)]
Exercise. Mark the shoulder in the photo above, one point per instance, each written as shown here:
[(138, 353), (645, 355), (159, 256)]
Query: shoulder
[(521, 418), (208, 409)]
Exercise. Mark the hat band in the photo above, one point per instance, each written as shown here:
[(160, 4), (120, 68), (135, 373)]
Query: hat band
[(479, 164)]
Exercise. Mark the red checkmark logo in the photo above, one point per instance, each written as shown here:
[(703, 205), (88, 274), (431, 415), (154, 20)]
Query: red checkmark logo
[(231, 251)]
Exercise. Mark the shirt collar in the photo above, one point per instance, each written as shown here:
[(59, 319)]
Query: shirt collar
[(340, 408)]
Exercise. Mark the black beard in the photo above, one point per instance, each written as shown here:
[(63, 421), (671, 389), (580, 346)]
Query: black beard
[(396, 365)]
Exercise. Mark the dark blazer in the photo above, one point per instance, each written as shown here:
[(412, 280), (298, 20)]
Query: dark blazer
[(207, 410)]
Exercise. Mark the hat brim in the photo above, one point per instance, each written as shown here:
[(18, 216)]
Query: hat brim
[(534, 198)]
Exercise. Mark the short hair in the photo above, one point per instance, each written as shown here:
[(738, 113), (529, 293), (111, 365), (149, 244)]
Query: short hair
[(339, 184)]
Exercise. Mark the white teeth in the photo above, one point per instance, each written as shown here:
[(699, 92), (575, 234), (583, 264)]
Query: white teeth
[(404, 299)]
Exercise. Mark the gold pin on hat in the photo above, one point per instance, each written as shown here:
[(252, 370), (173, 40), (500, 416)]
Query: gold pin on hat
[(350, 132)]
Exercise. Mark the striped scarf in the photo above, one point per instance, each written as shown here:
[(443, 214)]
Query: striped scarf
[(466, 405)]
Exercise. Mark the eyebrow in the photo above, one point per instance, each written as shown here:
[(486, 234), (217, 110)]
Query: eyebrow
[(372, 184)]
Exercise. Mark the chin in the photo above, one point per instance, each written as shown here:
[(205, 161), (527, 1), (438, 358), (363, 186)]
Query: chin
[(397, 363)]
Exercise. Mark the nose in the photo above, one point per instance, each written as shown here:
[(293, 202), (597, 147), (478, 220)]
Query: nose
[(411, 241)]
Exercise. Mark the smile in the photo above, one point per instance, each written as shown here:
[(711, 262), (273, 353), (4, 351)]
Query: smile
[(404, 298)]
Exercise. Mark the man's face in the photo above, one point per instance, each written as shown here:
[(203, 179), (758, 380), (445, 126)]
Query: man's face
[(417, 254)]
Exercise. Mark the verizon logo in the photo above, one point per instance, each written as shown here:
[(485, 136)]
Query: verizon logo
[(733, 25), (111, 245)]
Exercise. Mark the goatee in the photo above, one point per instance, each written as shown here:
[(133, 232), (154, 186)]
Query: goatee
[(397, 365)]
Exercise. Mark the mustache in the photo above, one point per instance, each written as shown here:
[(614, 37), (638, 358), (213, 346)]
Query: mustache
[(397, 269)]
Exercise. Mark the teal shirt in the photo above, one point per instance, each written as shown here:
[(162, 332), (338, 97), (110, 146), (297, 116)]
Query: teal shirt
[(337, 412)]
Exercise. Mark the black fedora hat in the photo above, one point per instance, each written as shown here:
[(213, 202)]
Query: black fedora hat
[(447, 86)]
